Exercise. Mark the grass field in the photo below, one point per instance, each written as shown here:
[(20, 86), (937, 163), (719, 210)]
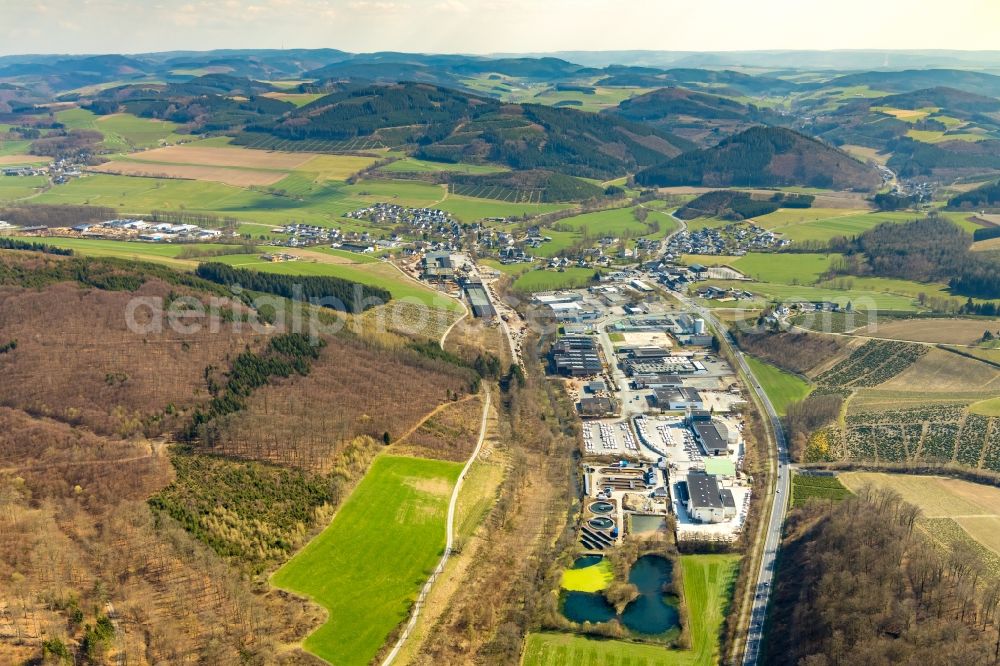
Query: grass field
[(935, 136), (784, 268), (806, 487), (20, 187), (860, 298), (470, 209), (783, 388), (349, 266), (546, 280), (321, 203), (707, 589), (368, 565), (164, 253), (989, 407), (378, 274), (615, 222), (413, 165), (589, 579)]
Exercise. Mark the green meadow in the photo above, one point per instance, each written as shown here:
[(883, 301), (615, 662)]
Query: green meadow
[(367, 567), (122, 131), (785, 268), (549, 280), (413, 165), (380, 274), (782, 388)]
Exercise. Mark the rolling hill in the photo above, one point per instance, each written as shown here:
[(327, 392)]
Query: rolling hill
[(452, 126), (764, 157)]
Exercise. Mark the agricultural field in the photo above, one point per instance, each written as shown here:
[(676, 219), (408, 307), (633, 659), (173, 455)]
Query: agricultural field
[(548, 280), (368, 565), (954, 331), (936, 136), (783, 388), (601, 98), (809, 487), (242, 167), (616, 222), (953, 509), (302, 201), (470, 209), (707, 590), (298, 99), (171, 254)]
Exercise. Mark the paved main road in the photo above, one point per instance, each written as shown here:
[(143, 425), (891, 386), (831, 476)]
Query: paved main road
[(772, 539)]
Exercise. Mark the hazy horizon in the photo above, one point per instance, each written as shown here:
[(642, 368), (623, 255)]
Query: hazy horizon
[(485, 27)]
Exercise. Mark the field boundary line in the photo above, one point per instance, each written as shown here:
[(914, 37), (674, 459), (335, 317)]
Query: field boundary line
[(450, 535)]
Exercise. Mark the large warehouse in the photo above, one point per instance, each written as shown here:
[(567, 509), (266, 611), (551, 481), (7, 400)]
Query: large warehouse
[(706, 502)]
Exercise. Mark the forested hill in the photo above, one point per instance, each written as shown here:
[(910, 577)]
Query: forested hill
[(765, 157), (909, 80), (453, 126), (667, 102)]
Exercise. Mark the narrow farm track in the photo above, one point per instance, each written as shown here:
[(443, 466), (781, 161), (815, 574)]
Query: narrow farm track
[(450, 531), (433, 413)]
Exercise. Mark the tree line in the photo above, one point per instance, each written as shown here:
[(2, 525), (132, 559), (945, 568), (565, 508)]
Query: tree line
[(332, 292)]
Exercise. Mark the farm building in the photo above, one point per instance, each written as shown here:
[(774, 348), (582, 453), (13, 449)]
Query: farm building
[(706, 502)]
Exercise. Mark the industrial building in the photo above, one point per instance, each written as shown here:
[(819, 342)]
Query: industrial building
[(596, 407), (576, 356), (479, 301), (683, 397), (713, 437), (706, 502), (438, 266)]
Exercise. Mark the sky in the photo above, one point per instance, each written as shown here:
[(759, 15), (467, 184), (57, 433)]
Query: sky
[(492, 26)]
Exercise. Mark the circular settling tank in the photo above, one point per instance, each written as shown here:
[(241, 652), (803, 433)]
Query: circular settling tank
[(602, 508), (601, 523)]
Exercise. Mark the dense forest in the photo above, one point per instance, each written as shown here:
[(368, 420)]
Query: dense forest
[(764, 157), (984, 196), (737, 205), (930, 249), (330, 292), (860, 584)]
